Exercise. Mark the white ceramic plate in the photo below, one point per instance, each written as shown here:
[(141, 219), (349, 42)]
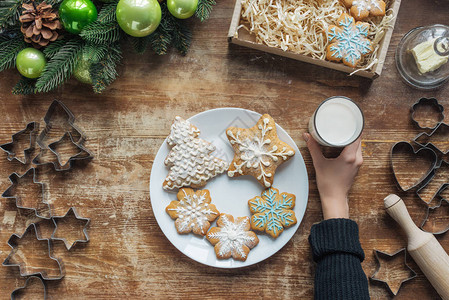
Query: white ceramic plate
[(230, 195)]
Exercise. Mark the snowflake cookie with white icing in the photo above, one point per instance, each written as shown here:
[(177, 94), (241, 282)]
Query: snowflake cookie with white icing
[(190, 160), (272, 212), (193, 211), (232, 238), (361, 9), (258, 150), (348, 41)]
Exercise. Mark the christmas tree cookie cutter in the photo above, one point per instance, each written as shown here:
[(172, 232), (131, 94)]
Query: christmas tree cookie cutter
[(31, 130), (10, 192), (442, 202), (388, 282), (427, 103), (19, 290), (81, 153), (56, 110), (425, 139), (13, 243), (71, 211)]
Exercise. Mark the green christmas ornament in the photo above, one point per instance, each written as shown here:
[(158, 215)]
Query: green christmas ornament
[(182, 9), (30, 62), (81, 72), (76, 14), (138, 17)]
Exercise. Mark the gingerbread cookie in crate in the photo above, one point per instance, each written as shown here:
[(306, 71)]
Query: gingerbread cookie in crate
[(190, 160), (258, 150)]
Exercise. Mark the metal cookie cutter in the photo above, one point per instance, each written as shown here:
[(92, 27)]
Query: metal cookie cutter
[(428, 140), (13, 243), (443, 202), (421, 192), (30, 129), (423, 153), (427, 102), (81, 153), (71, 211), (57, 108), (27, 282), (387, 281), (10, 192)]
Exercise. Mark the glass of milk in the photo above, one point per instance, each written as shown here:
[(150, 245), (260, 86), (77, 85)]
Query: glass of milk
[(337, 122)]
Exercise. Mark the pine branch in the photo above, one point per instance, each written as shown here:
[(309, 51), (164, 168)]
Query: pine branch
[(9, 50), (9, 12), (162, 38), (25, 86), (53, 48), (60, 67), (101, 33), (204, 8), (94, 53), (104, 73), (140, 44), (107, 12), (54, 2), (182, 36)]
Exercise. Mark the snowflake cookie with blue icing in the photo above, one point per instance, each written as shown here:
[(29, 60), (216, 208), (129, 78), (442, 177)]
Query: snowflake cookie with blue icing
[(272, 212), (232, 238), (258, 151), (361, 9), (348, 41), (193, 211)]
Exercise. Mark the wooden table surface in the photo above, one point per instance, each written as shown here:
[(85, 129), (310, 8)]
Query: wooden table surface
[(128, 256)]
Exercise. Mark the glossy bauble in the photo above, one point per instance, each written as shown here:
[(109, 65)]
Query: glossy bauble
[(182, 9), (76, 14), (138, 17), (81, 72), (30, 62)]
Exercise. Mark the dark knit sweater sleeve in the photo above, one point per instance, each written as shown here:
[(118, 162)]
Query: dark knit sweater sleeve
[(337, 251)]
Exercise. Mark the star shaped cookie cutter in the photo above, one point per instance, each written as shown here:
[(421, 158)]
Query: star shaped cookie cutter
[(27, 282), (387, 282), (32, 128), (82, 153), (66, 243), (13, 243), (9, 193)]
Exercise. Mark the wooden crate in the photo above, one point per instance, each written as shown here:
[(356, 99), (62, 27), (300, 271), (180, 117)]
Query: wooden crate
[(244, 38)]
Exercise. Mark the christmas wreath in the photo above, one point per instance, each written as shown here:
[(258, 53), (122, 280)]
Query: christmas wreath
[(49, 41)]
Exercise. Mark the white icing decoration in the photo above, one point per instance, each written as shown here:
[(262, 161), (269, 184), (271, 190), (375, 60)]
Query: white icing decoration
[(256, 152), (190, 160), (193, 210), (367, 5), (233, 236)]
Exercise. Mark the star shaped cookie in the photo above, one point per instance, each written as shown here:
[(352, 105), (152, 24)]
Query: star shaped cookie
[(258, 151), (361, 9)]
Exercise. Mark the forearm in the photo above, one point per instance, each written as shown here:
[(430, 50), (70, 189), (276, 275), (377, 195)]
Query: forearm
[(337, 251)]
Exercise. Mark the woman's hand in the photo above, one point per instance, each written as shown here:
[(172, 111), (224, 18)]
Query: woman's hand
[(335, 176)]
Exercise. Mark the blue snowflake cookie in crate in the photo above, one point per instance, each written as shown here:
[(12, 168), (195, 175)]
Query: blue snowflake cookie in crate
[(258, 151), (272, 212), (348, 42)]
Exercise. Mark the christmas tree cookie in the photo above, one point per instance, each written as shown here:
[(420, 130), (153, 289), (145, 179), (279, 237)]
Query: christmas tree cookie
[(232, 238), (258, 150), (193, 211), (190, 161), (272, 212)]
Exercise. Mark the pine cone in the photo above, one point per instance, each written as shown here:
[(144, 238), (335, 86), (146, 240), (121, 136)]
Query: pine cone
[(40, 23)]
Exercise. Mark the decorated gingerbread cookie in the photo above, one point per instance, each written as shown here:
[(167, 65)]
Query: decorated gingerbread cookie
[(348, 41), (193, 211), (361, 9), (272, 212), (258, 150), (232, 238), (190, 160)]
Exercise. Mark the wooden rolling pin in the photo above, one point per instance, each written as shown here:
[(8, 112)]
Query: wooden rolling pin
[(422, 246)]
